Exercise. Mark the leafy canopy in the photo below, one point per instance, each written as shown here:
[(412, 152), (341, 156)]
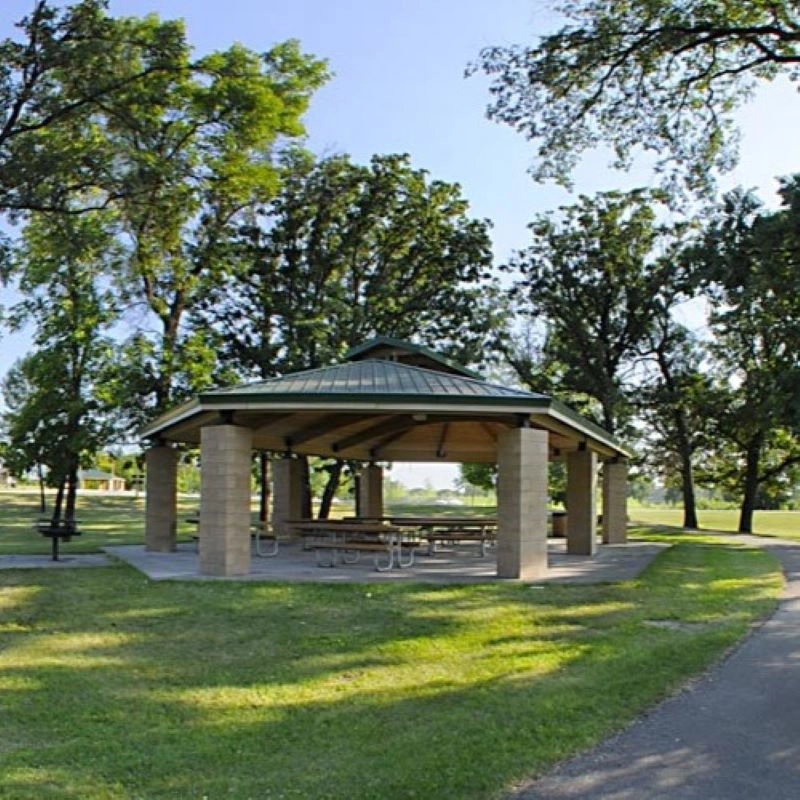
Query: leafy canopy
[(656, 75)]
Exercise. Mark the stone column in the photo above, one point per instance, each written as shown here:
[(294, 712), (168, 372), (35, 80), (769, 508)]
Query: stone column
[(615, 502), (371, 491), (225, 452), (581, 503), (287, 493), (522, 460), (161, 499)]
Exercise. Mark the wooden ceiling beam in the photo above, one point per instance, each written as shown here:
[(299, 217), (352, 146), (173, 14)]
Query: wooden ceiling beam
[(374, 452), (383, 428), (325, 425), (440, 453)]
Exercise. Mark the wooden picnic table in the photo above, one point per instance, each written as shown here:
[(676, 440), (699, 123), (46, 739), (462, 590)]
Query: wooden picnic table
[(257, 533), (453, 529), (345, 539)]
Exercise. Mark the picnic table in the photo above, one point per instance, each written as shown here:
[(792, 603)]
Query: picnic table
[(62, 529), (343, 540), (258, 534), (452, 529), (445, 529)]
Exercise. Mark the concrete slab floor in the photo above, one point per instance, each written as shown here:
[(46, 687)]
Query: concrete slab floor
[(461, 564)]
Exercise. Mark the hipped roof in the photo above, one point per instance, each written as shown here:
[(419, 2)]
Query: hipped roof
[(381, 409)]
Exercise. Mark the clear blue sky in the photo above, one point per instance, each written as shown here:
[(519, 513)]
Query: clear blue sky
[(399, 87)]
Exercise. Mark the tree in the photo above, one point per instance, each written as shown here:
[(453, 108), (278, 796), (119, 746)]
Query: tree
[(595, 280), (57, 78), (482, 476), (750, 260), (57, 414), (673, 404), (346, 252), (194, 155), (655, 75)]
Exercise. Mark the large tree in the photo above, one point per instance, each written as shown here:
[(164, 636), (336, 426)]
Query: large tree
[(672, 402), (654, 75), (346, 252), (57, 413), (58, 75), (194, 155), (750, 261), (595, 279)]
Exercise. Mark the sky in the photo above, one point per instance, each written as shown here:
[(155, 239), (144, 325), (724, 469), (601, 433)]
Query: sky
[(399, 87)]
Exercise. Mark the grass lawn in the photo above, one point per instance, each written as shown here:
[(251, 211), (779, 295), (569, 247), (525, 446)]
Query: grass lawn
[(118, 519), (113, 686), (785, 524), (102, 519)]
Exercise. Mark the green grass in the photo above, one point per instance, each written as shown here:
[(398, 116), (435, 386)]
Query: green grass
[(103, 520), (785, 524), (112, 686)]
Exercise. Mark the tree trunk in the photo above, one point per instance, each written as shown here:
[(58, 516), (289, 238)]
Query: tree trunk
[(330, 489), (687, 473), (750, 485), (305, 485), (264, 491), (72, 495), (42, 495), (58, 504)]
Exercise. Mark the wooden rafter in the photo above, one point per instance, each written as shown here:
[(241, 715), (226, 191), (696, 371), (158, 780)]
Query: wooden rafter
[(440, 453), (327, 424), (383, 428), (386, 441)]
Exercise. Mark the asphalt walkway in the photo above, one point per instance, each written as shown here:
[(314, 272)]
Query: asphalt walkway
[(732, 735)]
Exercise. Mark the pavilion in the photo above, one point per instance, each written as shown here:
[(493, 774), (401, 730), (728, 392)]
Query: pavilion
[(387, 401)]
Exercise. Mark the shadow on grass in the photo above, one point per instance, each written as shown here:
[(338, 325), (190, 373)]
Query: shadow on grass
[(118, 687)]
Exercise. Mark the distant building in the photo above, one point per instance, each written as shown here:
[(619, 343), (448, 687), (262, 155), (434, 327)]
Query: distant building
[(98, 480)]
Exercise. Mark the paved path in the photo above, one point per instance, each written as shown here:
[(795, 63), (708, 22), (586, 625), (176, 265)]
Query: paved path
[(46, 562), (733, 735)]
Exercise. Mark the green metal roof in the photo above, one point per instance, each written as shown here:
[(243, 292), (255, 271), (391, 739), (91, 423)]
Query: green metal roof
[(366, 379), (362, 351), (376, 386)]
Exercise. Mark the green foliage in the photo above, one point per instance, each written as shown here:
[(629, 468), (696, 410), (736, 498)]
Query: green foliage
[(482, 476), (57, 77), (346, 252), (58, 413), (193, 157), (652, 75), (673, 405), (594, 280), (750, 262)]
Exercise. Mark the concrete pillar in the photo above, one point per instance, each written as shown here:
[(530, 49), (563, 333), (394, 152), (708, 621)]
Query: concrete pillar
[(161, 499), (581, 503), (370, 489), (287, 493), (615, 502), (522, 461), (225, 454)]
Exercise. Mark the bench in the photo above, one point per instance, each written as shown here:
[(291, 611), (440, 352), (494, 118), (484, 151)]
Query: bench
[(257, 539), (484, 537), (392, 548), (62, 531)]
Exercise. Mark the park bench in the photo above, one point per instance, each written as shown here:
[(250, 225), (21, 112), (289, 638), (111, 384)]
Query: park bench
[(63, 530), (345, 540), (392, 548), (484, 537)]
